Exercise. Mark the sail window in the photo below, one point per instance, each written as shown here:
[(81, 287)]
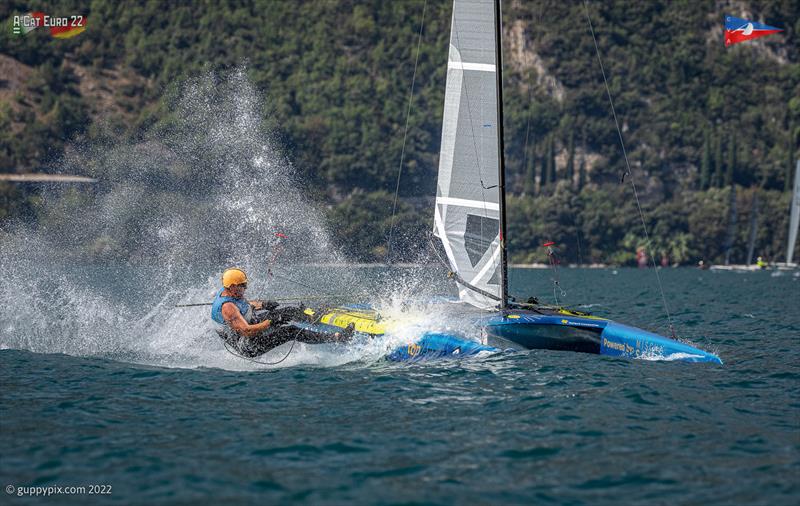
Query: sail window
[(479, 236)]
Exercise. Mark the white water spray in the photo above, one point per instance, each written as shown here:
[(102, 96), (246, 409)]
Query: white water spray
[(206, 189)]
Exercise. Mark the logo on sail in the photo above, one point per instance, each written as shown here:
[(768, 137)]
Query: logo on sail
[(739, 30)]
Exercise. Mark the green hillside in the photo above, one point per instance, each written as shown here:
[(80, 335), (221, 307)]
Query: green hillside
[(698, 119)]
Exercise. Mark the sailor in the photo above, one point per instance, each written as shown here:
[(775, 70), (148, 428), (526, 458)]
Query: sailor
[(761, 263), (253, 328)]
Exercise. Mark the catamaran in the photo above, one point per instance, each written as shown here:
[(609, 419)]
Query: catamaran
[(470, 221)]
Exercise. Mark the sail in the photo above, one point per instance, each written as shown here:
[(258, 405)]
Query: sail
[(751, 241), (467, 213), (794, 220)]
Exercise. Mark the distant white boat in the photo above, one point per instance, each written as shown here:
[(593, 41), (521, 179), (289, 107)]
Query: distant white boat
[(737, 268)]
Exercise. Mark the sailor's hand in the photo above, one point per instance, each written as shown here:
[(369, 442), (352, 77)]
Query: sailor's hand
[(257, 304)]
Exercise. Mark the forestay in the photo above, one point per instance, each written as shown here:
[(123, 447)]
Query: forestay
[(466, 217)]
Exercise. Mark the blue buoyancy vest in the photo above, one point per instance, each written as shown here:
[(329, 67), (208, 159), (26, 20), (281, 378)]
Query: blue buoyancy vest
[(219, 300)]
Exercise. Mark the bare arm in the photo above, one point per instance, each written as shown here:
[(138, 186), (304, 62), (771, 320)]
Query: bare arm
[(237, 322)]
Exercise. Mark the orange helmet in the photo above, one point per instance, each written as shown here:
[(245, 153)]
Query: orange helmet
[(233, 276)]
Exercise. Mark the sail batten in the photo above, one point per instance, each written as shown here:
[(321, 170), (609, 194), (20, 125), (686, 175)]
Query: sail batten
[(467, 214), (480, 204), (484, 67)]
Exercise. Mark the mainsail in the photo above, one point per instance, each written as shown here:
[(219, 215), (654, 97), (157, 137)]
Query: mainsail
[(467, 214), (794, 220)]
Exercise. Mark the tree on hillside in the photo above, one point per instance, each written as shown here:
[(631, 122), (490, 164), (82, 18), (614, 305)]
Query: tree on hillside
[(544, 173), (582, 166), (705, 163), (529, 185), (717, 179), (570, 169), (730, 165), (730, 234)]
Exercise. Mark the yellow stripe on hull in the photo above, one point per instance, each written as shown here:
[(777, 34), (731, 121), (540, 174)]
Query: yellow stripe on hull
[(366, 322), (360, 322), (567, 312), (370, 322)]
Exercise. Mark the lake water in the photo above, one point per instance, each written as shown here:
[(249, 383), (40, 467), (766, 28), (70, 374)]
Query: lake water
[(106, 384)]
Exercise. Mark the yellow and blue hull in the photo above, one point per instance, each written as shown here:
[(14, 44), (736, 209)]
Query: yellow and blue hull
[(547, 329)]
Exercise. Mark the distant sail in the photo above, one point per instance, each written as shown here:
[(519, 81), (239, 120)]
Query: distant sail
[(751, 241), (794, 221), (467, 216)]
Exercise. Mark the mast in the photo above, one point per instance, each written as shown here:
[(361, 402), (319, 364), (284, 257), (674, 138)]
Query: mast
[(501, 176)]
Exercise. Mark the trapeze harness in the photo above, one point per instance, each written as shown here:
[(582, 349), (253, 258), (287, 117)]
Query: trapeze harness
[(261, 343), (225, 332)]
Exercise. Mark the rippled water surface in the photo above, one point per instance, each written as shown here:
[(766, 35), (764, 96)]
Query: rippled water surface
[(342, 426)]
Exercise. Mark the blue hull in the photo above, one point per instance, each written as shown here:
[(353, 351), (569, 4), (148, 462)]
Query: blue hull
[(620, 340), (435, 345), (533, 330), (545, 329)]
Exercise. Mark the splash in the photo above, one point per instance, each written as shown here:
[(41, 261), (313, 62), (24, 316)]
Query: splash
[(208, 184), (205, 189)]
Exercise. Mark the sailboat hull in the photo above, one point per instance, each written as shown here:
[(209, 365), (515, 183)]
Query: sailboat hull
[(567, 331), (469, 218), (620, 340), (438, 345), (522, 329), (544, 335)]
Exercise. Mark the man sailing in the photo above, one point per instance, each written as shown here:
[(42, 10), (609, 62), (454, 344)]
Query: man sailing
[(252, 328)]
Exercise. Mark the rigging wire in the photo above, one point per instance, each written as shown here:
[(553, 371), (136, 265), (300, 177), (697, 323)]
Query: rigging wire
[(280, 299), (530, 104), (355, 312), (525, 160), (628, 172), (551, 256), (405, 136)]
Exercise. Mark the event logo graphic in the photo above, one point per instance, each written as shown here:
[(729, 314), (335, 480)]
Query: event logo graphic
[(60, 27), (739, 30)]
